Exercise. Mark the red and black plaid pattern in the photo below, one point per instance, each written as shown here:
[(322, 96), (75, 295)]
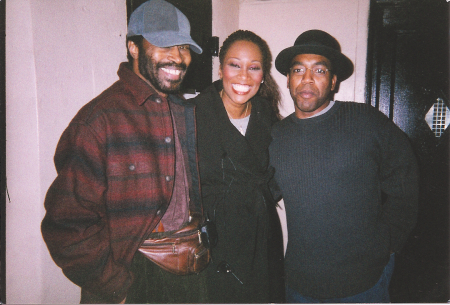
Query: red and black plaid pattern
[(115, 164)]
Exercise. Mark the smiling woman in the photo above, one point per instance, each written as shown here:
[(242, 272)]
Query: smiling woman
[(234, 119), (241, 74)]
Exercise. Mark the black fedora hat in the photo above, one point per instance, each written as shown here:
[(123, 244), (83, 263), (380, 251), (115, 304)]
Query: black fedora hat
[(320, 43)]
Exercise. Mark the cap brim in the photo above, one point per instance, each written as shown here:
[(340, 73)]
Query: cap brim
[(341, 65), (168, 39)]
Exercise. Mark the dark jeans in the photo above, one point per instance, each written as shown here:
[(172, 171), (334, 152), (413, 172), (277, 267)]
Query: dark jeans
[(377, 294), (155, 285)]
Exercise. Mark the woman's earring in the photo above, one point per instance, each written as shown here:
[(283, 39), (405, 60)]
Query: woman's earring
[(262, 81)]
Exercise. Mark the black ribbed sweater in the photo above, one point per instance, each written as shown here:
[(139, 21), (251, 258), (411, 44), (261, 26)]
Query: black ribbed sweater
[(332, 171)]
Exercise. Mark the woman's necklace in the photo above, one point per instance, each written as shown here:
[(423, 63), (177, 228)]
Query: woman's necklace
[(245, 114), (241, 123)]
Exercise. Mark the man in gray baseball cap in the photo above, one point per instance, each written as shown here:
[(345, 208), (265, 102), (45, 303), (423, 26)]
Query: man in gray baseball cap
[(127, 171), (159, 28)]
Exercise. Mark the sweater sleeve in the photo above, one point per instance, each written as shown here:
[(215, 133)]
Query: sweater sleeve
[(399, 184), (75, 227)]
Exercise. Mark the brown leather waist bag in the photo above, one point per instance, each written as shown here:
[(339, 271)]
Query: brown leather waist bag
[(182, 252)]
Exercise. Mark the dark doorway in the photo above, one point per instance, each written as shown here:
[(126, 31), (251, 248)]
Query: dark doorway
[(199, 13), (408, 80)]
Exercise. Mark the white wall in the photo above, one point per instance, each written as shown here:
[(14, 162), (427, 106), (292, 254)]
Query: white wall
[(62, 53), (59, 55)]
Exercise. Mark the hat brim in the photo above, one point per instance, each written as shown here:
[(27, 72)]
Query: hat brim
[(169, 39), (341, 65)]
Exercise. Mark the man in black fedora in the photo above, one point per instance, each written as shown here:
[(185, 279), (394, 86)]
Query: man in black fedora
[(348, 178)]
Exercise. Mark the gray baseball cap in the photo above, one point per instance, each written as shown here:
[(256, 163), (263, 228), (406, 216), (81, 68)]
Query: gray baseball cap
[(161, 24)]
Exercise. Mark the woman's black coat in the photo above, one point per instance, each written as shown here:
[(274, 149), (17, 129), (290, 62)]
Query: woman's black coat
[(234, 175)]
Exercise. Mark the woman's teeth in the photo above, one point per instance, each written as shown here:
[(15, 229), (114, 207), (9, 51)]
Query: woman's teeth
[(241, 88)]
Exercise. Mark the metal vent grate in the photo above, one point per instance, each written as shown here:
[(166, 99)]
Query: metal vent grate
[(438, 117)]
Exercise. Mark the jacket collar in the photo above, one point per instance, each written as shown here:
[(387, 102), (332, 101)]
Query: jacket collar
[(138, 87)]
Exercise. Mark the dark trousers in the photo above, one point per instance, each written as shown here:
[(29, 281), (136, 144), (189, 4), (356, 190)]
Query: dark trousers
[(155, 285), (377, 294)]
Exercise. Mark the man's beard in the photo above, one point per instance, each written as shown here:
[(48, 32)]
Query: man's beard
[(149, 70)]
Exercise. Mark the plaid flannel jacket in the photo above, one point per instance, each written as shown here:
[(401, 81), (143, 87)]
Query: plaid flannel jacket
[(116, 165)]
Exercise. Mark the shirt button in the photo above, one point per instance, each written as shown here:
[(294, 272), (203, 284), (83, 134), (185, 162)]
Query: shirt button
[(168, 178), (132, 167), (158, 213), (168, 139), (158, 100)]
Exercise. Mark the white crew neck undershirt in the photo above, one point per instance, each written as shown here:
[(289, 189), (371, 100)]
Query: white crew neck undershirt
[(323, 110), (240, 124)]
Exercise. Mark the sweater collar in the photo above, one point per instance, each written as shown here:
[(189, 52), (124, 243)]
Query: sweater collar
[(325, 110), (326, 113)]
